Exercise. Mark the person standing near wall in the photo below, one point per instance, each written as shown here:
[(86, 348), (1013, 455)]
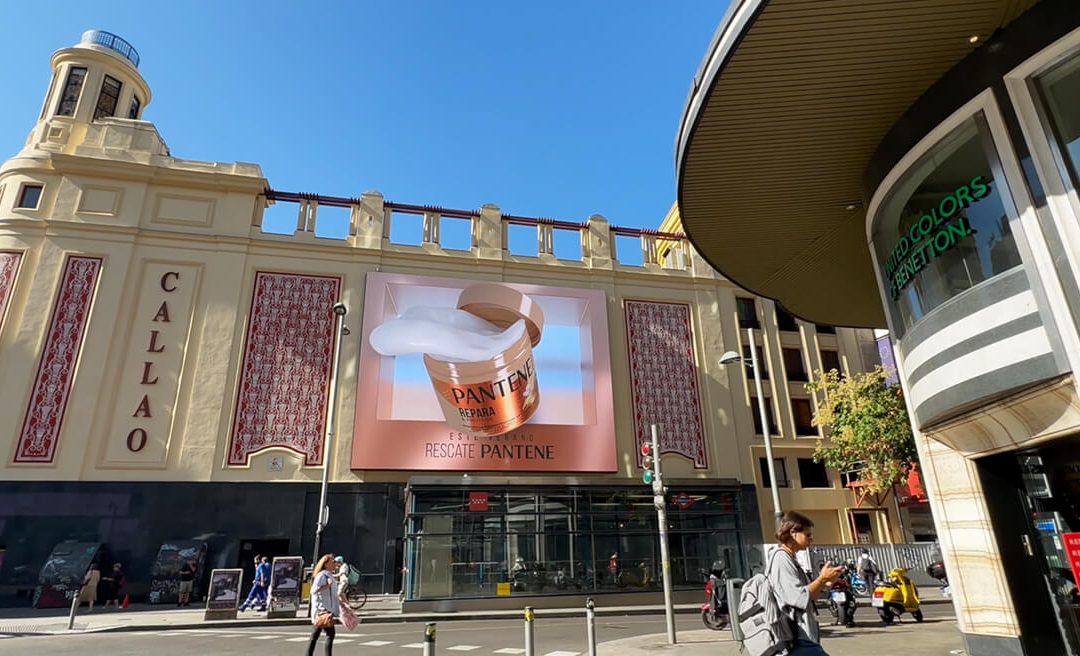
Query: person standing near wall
[(868, 569), (114, 583), (88, 592), (187, 583)]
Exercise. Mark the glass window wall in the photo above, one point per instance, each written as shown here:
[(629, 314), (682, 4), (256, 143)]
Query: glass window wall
[(1060, 91), (944, 229), (532, 541)]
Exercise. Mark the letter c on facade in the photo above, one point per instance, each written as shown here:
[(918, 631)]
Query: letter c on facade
[(175, 275)]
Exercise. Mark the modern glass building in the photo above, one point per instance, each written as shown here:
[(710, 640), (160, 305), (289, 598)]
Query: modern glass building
[(921, 159)]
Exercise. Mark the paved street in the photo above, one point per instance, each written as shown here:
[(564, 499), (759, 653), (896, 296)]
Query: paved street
[(554, 637)]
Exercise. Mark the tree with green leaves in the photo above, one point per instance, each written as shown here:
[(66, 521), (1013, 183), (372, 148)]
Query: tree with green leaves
[(869, 429)]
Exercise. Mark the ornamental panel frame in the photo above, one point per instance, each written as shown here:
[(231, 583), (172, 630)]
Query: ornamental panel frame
[(664, 379), (284, 382), (10, 263), (42, 424)]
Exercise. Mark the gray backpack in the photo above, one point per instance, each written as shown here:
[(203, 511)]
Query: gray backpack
[(766, 629)]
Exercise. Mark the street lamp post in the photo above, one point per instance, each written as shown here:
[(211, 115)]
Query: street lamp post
[(732, 357), (340, 310)]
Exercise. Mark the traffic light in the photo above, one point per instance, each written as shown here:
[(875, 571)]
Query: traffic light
[(648, 463)]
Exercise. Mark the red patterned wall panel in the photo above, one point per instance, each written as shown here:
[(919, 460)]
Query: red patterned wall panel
[(663, 377), (285, 373), (9, 266), (56, 371)]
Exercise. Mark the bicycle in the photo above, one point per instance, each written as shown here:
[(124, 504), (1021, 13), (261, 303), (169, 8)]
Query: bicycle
[(352, 591)]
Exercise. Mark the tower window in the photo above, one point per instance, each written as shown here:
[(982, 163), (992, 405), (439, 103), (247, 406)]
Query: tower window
[(133, 111), (107, 99), (72, 88), (30, 196)]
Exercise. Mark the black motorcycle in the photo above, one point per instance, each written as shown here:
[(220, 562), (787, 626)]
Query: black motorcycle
[(714, 612), (841, 599), (936, 570)]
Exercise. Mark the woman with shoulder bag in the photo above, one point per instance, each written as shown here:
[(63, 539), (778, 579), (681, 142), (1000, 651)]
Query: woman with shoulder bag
[(325, 605), (795, 592)]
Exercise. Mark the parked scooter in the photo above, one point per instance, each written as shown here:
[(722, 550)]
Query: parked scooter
[(841, 600), (714, 612), (896, 595), (858, 584), (936, 570)]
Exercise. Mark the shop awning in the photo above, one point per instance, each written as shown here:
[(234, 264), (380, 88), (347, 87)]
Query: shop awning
[(790, 103)]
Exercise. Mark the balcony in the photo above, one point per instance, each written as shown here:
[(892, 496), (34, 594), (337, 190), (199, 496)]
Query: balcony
[(112, 42), (487, 233)]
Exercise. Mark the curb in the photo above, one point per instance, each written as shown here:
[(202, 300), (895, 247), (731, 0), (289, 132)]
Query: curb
[(402, 618), (385, 619)]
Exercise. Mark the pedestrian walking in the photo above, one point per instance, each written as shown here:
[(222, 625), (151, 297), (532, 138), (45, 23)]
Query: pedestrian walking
[(88, 592), (114, 585), (868, 569), (259, 587), (187, 582), (325, 604), (795, 593)]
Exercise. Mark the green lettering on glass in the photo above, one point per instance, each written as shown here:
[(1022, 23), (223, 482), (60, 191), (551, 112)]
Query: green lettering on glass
[(931, 236)]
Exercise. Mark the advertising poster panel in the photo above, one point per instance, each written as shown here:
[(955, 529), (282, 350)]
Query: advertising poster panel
[(466, 375), (285, 586), (224, 594)]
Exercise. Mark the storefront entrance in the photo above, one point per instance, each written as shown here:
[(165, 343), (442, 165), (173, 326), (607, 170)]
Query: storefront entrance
[(494, 542), (1036, 510)]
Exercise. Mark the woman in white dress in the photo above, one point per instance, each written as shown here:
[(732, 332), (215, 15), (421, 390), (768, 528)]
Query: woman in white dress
[(324, 601)]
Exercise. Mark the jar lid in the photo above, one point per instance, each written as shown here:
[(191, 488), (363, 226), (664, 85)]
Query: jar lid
[(502, 306)]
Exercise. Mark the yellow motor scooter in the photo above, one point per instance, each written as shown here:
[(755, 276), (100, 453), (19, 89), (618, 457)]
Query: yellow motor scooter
[(895, 595)]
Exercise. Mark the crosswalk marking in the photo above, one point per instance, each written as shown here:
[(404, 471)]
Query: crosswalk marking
[(413, 645), (463, 648), (509, 650), (341, 641), (266, 637), (562, 653), (376, 643), (297, 639)]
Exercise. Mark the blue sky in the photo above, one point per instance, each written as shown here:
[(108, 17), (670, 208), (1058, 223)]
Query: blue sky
[(556, 109)]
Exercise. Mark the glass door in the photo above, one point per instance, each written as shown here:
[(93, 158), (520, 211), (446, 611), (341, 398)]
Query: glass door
[(1051, 478)]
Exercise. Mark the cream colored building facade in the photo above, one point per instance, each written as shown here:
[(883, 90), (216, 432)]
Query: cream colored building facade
[(132, 287)]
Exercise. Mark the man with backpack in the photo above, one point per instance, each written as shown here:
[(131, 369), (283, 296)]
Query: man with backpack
[(776, 609), (868, 570)]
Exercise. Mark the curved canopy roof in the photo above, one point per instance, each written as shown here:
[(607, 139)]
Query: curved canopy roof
[(789, 106)]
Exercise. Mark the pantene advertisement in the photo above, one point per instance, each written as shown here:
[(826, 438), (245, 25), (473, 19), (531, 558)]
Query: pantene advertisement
[(466, 375)]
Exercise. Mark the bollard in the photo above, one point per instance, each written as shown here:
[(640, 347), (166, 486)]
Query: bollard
[(429, 639), (530, 646), (590, 625), (74, 607)]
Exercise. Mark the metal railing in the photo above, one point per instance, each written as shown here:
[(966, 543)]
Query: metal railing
[(914, 556), (112, 42)]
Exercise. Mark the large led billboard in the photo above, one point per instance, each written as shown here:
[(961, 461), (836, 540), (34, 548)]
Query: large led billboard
[(467, 375)]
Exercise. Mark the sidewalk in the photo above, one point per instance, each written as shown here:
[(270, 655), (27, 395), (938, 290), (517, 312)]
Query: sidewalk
[(931, 638)]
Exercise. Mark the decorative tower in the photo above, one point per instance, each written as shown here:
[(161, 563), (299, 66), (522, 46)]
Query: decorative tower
[(95, 83)]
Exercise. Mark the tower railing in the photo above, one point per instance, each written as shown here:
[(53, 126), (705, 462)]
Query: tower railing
[(112, 42)]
